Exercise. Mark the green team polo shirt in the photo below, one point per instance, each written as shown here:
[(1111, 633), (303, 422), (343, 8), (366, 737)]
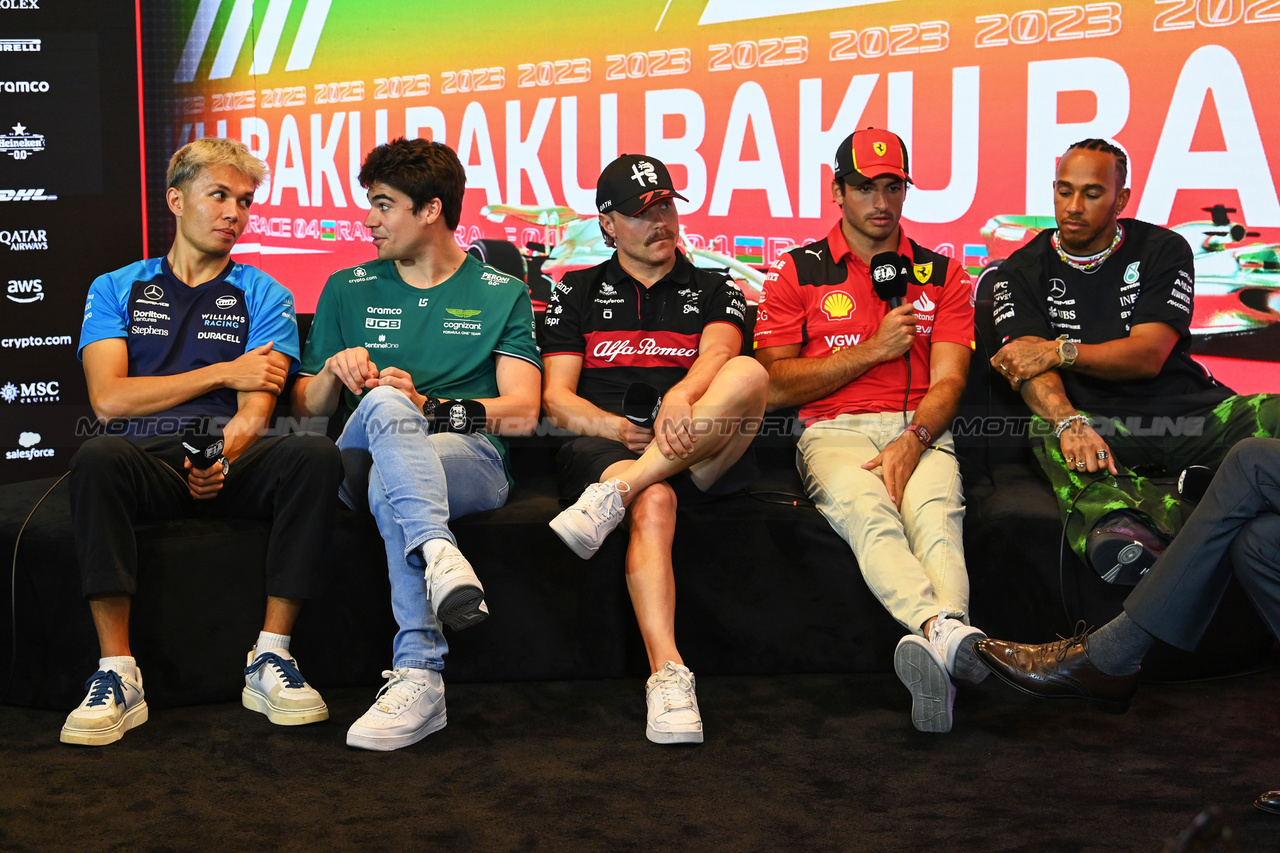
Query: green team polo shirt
[(445, 337)]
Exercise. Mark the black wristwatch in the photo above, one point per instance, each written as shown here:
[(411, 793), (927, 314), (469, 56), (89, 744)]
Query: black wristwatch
[(429, 407)]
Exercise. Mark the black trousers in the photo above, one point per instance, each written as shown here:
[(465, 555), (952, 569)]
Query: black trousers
[(290, 480), (1238, 518)]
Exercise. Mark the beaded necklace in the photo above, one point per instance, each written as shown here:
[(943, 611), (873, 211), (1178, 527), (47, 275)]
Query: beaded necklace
[(1092, 263)]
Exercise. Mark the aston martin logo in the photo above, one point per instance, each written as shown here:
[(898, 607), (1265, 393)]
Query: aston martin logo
[(464, 313), (880, 148)]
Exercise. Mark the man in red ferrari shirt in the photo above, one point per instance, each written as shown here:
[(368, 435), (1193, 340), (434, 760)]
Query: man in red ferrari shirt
[(877, 387)]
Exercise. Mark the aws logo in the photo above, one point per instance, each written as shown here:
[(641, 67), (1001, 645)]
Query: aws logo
[(266, 40), (837, 305)]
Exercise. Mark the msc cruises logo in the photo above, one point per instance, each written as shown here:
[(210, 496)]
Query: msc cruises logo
[(266, 39)]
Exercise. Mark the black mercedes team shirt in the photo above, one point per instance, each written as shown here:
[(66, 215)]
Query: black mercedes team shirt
[(1150, 278), (628, 333)]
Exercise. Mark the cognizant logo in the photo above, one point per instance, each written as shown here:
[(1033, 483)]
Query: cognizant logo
[(237, 30)]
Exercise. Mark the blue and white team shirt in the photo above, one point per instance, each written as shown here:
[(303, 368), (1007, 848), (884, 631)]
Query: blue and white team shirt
[(172, 328)]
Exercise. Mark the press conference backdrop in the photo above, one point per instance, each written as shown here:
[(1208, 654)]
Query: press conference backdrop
[(70, 208), (745, 100)]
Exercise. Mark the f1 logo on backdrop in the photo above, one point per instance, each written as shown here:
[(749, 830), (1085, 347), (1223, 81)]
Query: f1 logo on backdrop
[(237, 30)]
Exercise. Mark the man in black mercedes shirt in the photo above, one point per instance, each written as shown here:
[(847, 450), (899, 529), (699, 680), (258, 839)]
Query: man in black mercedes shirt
[(1095, 320), (648, 330)]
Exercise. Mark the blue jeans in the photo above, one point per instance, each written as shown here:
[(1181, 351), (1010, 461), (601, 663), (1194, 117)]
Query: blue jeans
[(414, 483)]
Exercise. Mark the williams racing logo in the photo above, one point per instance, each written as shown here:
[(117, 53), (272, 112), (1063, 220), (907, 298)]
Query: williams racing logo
[(838, 305)]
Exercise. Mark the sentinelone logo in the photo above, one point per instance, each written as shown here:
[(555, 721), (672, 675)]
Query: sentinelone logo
[(20, 45), (267, 39)]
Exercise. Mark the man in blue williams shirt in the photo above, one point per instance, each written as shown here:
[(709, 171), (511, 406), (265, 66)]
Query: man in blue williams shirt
[(167, 342)]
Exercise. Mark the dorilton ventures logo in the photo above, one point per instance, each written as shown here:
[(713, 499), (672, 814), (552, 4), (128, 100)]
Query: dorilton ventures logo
[(25, 240), (26, 195), (20, 145), (266, 38), (30, 392), (19, 45)]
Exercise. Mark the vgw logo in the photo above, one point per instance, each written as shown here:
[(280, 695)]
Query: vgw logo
[(31, 392), (267, 39), (25, 289)]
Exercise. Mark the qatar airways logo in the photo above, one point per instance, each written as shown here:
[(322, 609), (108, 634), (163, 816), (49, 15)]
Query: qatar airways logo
[(609, 350)]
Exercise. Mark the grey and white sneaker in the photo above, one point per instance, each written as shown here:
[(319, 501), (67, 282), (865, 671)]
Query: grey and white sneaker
[(954, 641), (673, 715), (114, 704), (457, 598), (922, 670), (274, 687), (584, 526), (409, 707)]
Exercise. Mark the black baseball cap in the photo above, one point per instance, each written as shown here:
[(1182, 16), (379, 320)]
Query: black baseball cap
[(869, 153), (633, 182)]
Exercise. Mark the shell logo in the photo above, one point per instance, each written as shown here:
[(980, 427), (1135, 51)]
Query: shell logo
[(837, 305), (924, 304)]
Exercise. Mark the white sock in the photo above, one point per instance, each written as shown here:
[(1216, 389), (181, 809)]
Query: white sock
[(432, 547), (123, 664), (268, 642)]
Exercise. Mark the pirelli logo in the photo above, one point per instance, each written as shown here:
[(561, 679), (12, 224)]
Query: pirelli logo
[(19, 45), (380, 323)]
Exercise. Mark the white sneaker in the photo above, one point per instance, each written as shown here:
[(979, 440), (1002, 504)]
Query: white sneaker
[(407, 710), (457, 598), (273, 686), (584, 526), (924, 673), (113, 705), (673, 715), (954, 641)]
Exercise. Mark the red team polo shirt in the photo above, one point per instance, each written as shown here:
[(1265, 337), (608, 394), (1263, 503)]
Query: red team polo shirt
[(821, 297)]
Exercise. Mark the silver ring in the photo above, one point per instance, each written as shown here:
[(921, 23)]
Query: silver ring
[(1080, 465), (1102, 454)]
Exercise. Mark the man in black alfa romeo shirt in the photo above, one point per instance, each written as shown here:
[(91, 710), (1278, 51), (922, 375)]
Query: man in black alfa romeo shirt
[(1095, 321), (642, 324)]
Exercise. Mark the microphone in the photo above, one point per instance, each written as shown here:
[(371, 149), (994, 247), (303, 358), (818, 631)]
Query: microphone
[(889, 277), (640, 404), (1194, 481), (202, 445), (460, 416)]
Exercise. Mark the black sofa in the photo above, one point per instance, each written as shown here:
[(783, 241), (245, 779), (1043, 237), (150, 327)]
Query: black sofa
[(764, 585)]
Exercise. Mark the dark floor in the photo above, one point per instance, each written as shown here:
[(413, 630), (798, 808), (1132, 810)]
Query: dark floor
[(793, 763)]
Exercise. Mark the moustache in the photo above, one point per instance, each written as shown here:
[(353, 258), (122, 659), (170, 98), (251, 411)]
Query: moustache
[(664, 234)]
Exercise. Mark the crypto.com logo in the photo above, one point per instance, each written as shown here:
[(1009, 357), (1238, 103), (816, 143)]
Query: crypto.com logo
[(267, 42)]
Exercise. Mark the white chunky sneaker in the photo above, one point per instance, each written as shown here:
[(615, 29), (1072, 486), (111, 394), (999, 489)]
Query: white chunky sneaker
[(409, 707), (673, 706), (113, 705), (924, 673), (954, 641), (457, 598), (584, 526), (273, 686)]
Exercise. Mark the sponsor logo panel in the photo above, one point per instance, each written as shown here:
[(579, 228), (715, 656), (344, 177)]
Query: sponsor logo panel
[(30, 392), (29, 448)]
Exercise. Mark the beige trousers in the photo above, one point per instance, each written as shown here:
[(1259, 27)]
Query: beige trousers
[(913, 559)]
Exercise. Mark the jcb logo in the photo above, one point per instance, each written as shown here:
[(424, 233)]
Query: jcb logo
[(267, 40)]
